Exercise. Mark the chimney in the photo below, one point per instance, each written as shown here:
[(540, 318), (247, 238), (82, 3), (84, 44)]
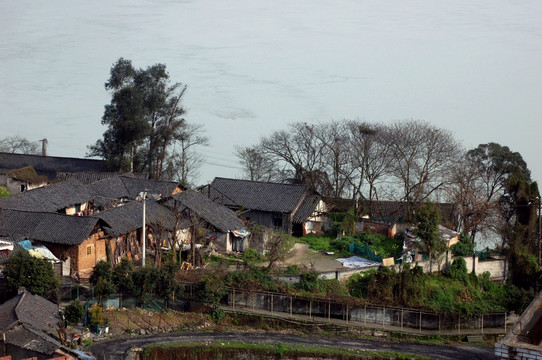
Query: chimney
[(43, 147)]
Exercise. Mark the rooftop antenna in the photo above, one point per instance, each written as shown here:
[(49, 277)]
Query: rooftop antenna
[(43, 147)]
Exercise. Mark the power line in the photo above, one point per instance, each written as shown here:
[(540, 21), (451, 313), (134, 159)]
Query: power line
[(226, 166)]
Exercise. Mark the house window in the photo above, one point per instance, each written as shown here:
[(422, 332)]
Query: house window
[(89, 250)]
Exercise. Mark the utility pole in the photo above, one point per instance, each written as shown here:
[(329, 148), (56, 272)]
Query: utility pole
[(143, 240)]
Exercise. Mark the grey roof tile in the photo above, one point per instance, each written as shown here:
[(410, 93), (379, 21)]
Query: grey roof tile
[(49, 165), (90, 177), (265, 196), (218, 216), (306, 209), (257, 195), (129, 217), (47, 227), (49, 198)]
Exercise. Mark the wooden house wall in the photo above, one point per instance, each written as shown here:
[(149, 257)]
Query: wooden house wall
[(81, 263), (126, 246), (264, 218)]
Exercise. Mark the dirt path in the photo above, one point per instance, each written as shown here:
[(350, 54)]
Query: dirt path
[(302, 256)]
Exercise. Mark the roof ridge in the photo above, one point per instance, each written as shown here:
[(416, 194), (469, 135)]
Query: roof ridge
[(43, 212), (153, 180), (23, 294), (48, 156), (261, 182)]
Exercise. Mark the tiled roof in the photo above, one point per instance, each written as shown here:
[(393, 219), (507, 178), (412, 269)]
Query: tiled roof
[(26, 308), (126, 187), (47, 227), (90, 177), (218, 216), (154, 187), (49, 198), (306, 209), (30, 322), (257, 195), (59, 196), (49, 165), (129, 217), (110, 188), (25, 337), (265, 196)]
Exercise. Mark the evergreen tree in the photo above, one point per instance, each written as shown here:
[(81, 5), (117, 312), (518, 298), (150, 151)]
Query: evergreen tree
[(35, 274), (427, 222)]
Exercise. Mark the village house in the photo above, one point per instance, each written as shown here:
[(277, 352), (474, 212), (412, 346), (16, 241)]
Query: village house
[(69, 198), (49, 165), (78, 241), (22, 179), (30, 329), (125, 224), (75, 198), (224, 228), (290, 208)]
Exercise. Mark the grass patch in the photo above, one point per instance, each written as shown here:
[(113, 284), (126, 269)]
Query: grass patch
[(225, 349), (380, 244)]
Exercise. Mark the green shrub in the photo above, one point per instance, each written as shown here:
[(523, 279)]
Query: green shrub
[(4, 192), (218, 315), (517, 299), (74, 312), (251, 257), (465, 246), (309, 282), (210, 290), (253, 278), (96, 315), (292, 270), (458, 270)]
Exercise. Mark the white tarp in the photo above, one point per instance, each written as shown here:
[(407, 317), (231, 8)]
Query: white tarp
[(355, 262)]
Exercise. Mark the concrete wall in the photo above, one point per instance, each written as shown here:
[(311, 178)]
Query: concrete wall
[(497, 268), (381, 315)]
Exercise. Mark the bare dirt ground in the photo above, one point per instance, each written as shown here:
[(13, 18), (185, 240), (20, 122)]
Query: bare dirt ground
[(304, 257)]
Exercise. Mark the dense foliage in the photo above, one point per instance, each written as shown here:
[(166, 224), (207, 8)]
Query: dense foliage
[(74, 312), (380, 244), (146, 131), (35, 274), (457, 293), (102, 279), (465, 246)]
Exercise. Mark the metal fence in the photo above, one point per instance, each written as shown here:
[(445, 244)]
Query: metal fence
[(318, 310), (389, 318)]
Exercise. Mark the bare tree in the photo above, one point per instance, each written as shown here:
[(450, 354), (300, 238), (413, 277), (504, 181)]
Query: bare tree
[(297, 147), (479, 183), (333, 138), (256, 164), (370, 157), (469, 194), (184, 162), (422, 159), (19, 145)]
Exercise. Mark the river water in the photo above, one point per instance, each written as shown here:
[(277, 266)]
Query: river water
[(254, 66)]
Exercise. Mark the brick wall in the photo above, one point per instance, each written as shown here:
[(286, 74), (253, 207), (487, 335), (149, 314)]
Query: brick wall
[(91, 251), (517, 353)]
